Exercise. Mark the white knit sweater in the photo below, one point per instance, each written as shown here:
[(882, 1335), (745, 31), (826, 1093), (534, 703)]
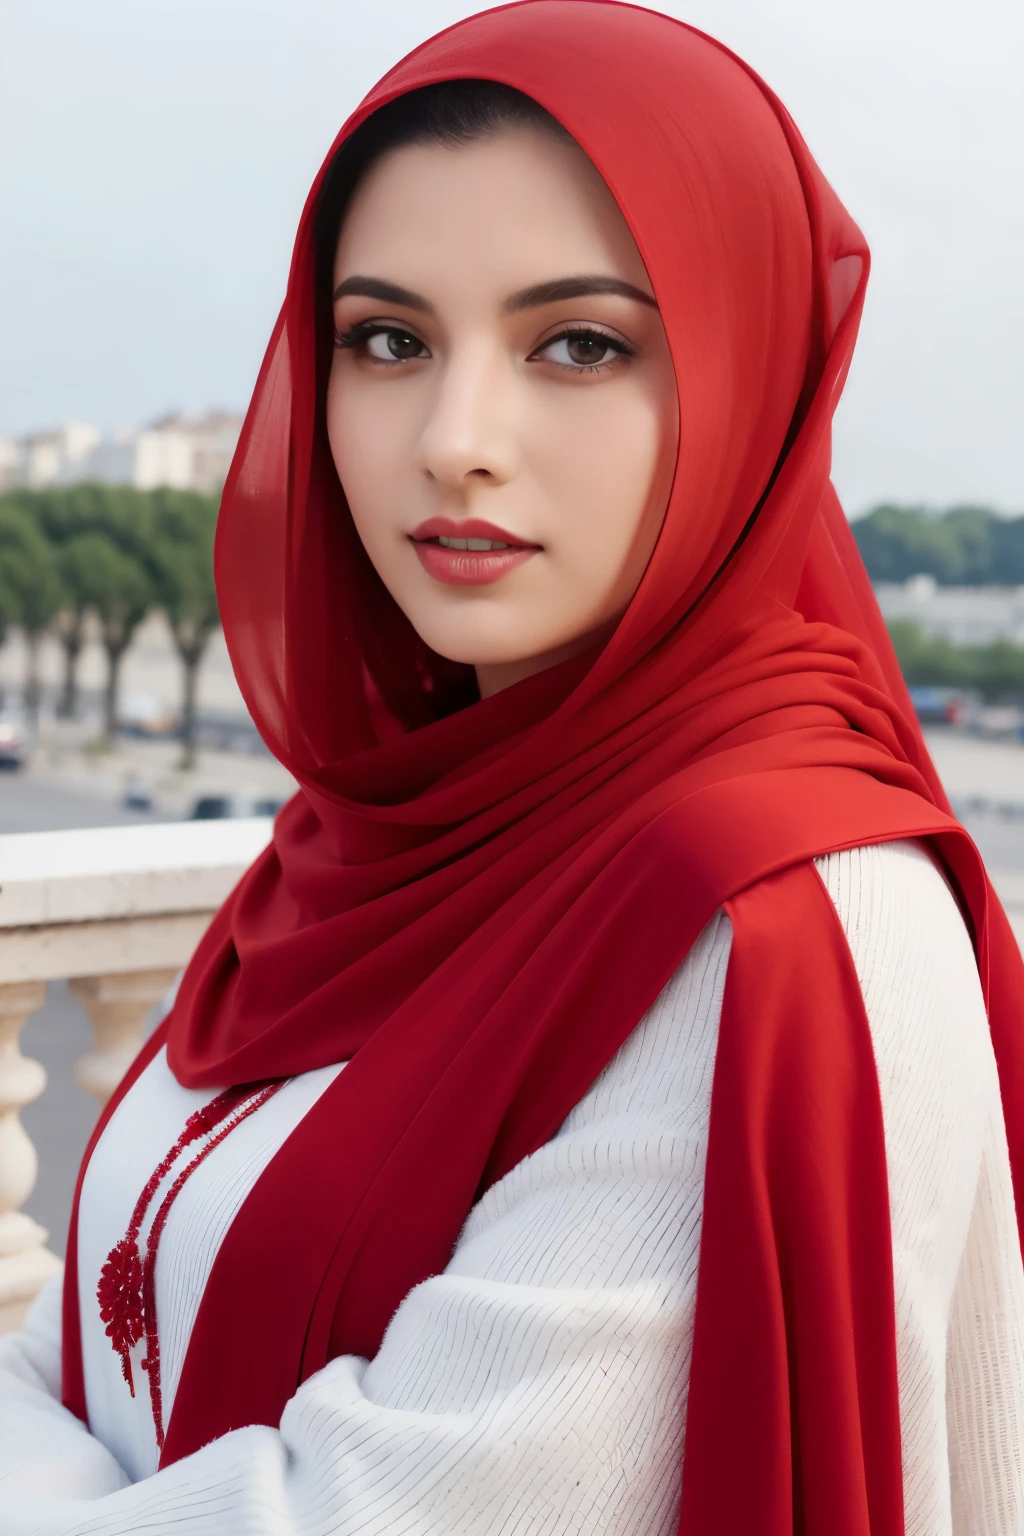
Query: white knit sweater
[(537, 1387)]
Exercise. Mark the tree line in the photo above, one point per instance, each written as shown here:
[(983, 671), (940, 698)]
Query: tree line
[(117, 553), (996, 670), (962, 547)]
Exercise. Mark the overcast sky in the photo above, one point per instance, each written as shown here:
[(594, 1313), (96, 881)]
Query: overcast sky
[(155, 154)]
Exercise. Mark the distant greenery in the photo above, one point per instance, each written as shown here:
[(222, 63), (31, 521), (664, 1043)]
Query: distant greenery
[(31, 591), (996, 670), (965, 546), (117, 553)]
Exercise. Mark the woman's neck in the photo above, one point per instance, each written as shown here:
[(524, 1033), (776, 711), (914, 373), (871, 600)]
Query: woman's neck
[(493, 676)]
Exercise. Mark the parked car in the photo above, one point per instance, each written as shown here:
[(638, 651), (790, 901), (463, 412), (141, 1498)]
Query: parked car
[(217, 807), (137, 797), (143, 715), (940, 706), (267, 807), (15, 741)]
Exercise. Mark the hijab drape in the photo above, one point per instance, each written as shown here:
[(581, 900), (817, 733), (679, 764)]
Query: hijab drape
[(476, 908)]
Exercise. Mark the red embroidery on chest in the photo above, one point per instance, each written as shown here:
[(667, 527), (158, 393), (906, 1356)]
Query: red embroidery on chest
[(127, 1286)]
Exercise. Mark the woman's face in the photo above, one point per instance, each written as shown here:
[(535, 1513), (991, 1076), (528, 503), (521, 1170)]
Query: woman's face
[(501, 376)]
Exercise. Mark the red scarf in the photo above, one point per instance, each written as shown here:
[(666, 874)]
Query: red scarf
[(477, 907)]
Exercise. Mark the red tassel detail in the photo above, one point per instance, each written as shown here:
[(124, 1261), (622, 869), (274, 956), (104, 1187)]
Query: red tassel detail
[(119, 1294), (127, 1286)]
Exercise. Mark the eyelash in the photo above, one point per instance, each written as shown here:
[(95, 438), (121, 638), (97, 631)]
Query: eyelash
[(363, 330)]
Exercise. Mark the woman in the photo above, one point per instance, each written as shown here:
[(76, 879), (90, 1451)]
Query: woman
[(596, 1110)]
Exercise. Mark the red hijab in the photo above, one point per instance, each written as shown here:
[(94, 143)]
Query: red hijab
[(477, 909)]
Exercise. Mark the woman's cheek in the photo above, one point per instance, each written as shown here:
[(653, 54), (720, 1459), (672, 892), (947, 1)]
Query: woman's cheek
[(625, 521), (359, 443)]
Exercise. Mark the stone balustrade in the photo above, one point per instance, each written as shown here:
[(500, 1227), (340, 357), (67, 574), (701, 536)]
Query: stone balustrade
[(117, 911)]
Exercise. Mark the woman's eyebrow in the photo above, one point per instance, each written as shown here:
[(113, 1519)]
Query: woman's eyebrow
[(377, 288), (527, 298), (574, 288)]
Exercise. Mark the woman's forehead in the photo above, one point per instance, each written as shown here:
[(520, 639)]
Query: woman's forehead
[(513, 203)]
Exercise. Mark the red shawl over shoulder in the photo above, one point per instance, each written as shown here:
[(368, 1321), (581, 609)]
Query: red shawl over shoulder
[(478, 907)]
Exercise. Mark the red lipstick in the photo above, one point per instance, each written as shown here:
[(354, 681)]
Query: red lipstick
[(468, 567)]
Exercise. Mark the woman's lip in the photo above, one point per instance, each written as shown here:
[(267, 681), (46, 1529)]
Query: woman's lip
[(467, 528), (470, 567)]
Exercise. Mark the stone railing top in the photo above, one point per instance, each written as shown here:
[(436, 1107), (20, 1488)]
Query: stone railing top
[(98, 873), (107, 873)]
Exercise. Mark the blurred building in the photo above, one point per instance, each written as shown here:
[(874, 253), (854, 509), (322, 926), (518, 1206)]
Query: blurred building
[(961, 615), (45, 458), (191, 453), (10, 460)]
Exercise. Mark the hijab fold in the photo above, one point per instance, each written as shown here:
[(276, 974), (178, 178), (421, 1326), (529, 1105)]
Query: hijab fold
[(475, 907)]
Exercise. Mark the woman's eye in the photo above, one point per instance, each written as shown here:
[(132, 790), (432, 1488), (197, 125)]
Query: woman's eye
[(394, 346), (581, 349)]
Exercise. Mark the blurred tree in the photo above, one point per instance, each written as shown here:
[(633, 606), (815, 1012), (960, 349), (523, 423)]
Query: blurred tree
[(31, 591), (968, 532), (51, 511), (182, 562), (69, 628), (1008, 550), (121, 514), (996, 670), (119, 589), (927, 659), (8, 603), (119, 552), (964, 546)]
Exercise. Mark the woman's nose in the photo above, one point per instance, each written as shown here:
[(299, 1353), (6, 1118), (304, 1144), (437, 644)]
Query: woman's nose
[(471, 429)]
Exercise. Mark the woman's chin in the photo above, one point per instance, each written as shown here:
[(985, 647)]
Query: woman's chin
[(476, 649)]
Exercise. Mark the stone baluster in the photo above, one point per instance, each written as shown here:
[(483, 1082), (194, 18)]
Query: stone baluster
[(117, 1005), (25, 1260)]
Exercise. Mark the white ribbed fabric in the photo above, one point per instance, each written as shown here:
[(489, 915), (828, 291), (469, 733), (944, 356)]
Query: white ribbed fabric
[(957, 1260), (537, 1387)]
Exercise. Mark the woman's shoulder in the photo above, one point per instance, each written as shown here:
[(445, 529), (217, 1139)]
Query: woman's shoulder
[(916, 968), (911, 951), (902, 921), (910, 948), (864, 879), (922, 992)]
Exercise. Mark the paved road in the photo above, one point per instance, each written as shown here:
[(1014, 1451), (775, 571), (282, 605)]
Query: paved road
[(29, 805), (1001, 842)]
